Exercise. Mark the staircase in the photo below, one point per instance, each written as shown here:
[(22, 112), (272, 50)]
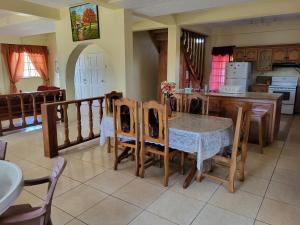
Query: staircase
[(192, 49)]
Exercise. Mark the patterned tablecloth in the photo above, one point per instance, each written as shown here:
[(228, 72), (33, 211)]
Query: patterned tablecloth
[(191, 133)]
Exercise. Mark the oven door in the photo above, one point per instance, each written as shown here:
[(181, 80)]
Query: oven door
[(288, 94)]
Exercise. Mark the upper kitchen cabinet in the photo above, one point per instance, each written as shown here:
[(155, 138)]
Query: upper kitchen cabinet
[(251, 54), (264, 59), (245, 54), (293, 54), (239, 54), (279, 55)]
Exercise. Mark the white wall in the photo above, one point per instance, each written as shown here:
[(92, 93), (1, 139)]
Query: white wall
[(145, 67)]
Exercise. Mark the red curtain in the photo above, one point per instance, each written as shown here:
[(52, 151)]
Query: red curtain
[(39, 58), (13, 57), (218, 69)]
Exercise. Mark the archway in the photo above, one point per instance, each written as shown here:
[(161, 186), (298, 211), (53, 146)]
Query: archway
[(71, 65)]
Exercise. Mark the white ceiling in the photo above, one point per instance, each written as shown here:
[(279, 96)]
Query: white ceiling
[(149, 7), (166, 7), (28, 28), (57, 3)]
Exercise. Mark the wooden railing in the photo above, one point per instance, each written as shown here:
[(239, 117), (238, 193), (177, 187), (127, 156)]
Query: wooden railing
[(24, 105), (50, 126), (193, 46)]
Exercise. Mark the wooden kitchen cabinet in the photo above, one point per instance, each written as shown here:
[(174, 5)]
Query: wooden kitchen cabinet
[(293, 54), (279, 55), (264, 59), (251, 54), (239, 54)]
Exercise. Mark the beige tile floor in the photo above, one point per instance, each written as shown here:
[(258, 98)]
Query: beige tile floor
[(90, 192)]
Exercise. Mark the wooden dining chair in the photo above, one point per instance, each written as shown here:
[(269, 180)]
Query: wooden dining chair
[(229, 158), (126, 121), (109, 98), (155, 137), (3, 146), (25, 214), (196, 103), (201, 107)]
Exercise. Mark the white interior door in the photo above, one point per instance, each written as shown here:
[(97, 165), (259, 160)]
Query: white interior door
[(89, 76)]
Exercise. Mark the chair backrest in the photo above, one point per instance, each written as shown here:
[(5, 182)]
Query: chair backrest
[(154, 123), (3, 146), (126, 119), (196, 103), (241, 131), (57, 170), (109, 98)]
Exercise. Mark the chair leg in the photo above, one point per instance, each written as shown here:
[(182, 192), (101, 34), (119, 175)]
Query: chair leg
[(181, 168), (166, 170), (116, 156), (142, 162), (137, 160), (108, 145), (232, 170), (260, 135), (242, 163)]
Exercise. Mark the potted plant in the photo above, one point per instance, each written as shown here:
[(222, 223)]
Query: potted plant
[(168, 89)]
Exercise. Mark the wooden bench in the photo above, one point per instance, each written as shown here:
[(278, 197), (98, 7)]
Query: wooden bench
[(22, 105)]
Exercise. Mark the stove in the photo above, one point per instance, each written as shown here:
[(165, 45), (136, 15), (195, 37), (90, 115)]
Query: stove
[(285, 85)]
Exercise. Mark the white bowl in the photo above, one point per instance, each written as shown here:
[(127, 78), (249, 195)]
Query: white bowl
[(11, 183)]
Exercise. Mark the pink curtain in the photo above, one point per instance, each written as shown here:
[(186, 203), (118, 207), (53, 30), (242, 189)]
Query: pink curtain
[(218, 69), (39, 58), (13, 57)]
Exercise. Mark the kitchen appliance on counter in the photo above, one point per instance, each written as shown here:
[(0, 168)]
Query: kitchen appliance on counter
[(285, 85), (237, 77)]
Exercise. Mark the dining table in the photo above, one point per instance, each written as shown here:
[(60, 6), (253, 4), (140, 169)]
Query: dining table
[(201, 135), (11, 184)]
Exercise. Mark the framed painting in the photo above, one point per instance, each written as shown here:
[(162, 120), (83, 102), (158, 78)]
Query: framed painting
[(85, 22)]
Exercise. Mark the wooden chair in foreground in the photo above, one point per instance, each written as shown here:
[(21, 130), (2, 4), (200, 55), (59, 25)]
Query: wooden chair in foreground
[(3, 146), (109, 98), (155, 137), (126, 121), (238, 149), (25, 213)]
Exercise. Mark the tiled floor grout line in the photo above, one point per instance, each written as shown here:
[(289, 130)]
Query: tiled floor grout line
[(206, 203), (264, 197)]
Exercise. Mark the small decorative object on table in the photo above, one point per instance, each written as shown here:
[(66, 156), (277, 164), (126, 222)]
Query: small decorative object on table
[(167, 89)]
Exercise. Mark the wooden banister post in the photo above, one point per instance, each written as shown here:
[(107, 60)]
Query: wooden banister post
[(79, 135), (91, 132), (66, 124), (49, 130), (1, 134), (100, 108), (11, 123), (23, 111), (35, 121)]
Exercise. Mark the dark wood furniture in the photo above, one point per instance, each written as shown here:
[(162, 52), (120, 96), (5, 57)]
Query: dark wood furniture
[(266, 56), (262, 102), (25, 213), (238, 150), (24, 105), (49, 122), (3, 146), (259, 88), (126, 122)]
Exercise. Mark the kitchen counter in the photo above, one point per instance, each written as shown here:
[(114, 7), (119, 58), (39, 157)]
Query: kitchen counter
[(249, 95), (260, 102)]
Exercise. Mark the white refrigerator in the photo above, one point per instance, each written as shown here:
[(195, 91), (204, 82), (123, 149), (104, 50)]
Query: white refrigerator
[(238, 74)]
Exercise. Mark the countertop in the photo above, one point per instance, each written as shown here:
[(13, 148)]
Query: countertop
[(250, 95)]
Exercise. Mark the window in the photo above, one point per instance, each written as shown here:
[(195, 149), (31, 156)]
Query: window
[(218, 69), (29, 69)]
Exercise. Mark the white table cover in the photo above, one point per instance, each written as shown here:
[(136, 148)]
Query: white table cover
[(191, 133)]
